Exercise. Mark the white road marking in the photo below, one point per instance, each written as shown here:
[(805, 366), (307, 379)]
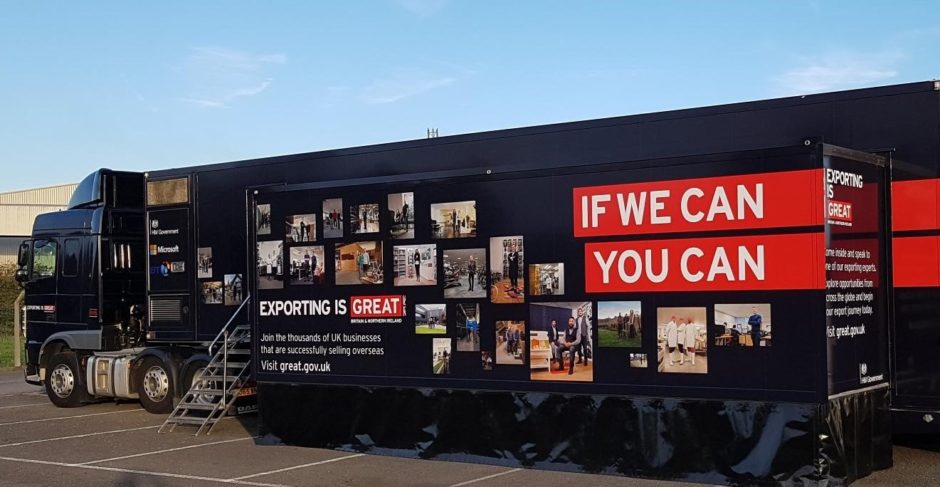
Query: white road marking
[(24, 405), (295, 467), (168, 450), (481, 479), (86, 435), (70, 417), (140, 472)]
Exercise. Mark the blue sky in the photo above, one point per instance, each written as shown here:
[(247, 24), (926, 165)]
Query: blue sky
[(138, 86)]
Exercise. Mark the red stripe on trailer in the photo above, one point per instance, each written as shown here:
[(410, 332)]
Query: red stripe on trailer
[(916, 261), (914, 205)]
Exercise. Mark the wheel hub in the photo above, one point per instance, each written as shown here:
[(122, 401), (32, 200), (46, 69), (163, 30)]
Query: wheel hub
[(156, 383), (62, 381)]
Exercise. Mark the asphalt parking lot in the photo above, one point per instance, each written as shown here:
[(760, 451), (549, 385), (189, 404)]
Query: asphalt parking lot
[(118, 444)]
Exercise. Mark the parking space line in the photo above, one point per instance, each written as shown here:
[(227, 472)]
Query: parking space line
[(168, 450), (140, 472), (70, 417), (86, 435), (295, 467), (24, 405), (481, 479)]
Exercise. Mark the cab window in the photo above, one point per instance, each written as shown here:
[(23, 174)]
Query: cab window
[(44, 256)]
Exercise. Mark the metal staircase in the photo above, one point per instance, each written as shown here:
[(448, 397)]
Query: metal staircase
[(215, 387)]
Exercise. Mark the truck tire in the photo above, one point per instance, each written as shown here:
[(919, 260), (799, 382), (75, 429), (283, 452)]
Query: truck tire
[(193, 370), (64, 384), (155, 385)]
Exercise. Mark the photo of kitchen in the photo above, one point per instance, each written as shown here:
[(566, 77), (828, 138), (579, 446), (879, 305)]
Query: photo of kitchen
[(619, 324), (364, 218), (440, 356), (560, 341), (468, 327), (465, 273), (301, 228), (430, 319), (271, 264), (681, 337), (507, 284), (359, 263), (333, 218), (510, 342), (415, 265), (401, 215), (307, 263), (234, 289), (457, 219), (263, 219), (742, 325), (547, 279)]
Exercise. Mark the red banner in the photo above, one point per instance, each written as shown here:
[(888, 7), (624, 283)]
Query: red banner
[(747, 263), (914, 205), (916, 261), (765, 200)]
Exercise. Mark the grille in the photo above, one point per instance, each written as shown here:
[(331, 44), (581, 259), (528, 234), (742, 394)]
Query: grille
[(165, 310)]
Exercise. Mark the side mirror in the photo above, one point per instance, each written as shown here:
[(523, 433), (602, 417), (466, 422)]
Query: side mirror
[(21, 276), (22, 256)]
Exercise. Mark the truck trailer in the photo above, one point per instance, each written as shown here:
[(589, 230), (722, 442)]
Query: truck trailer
[(736, 293)]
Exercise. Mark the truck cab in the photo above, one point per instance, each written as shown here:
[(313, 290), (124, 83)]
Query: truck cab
[(84, 273)]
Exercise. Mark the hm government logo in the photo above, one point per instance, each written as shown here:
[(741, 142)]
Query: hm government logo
[(863, 368), (154, 223)]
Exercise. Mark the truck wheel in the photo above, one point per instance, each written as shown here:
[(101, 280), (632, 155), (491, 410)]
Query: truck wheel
[(155, 386), (193, 371), (64, 384)]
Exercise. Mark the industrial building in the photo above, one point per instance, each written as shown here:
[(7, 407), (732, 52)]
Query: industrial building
[(18, 209)]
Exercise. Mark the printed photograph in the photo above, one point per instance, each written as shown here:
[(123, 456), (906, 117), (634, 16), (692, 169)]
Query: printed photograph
[(364, 218), (359, 263), (506, 263), (430, 319), (487, 358), (301, 228), (457, 219), (547, 279), (560, 341), (742, 325), (510, 342), (681, 336), (440, 352), (263, 220), (212, 292), (638, 361), (333, 218), (415, 265), (204, 263), (270, 264), (468, 327), (234, 289), (401, 214), (464, 273), (619, 324), (307, 263)]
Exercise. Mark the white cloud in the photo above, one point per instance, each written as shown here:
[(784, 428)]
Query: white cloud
[(216, 76), (838, 71), (401, 86), (422, 8)]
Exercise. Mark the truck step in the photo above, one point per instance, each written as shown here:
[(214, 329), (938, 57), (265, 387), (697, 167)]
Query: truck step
[(231, 365), (240, 351)]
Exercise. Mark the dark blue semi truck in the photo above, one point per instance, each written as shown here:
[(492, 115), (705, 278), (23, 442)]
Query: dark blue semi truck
[(164, 286)]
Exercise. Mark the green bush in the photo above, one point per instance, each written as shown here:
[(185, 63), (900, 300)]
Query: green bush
[(9, 290)]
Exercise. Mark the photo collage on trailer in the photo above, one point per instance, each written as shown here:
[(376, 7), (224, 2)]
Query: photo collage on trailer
[(557, 341)]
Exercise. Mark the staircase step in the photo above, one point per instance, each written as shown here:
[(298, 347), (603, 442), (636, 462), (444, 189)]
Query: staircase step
[(189, 420), (240, 351), (232, 364), (243, 327), (206, 392), (197, 406)]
